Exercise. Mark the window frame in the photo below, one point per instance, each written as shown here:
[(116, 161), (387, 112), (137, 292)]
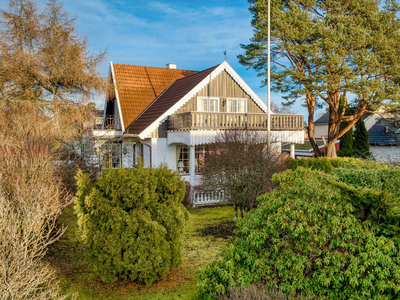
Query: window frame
[(200, 152), (208, 103), (111, 154), (237, 105)]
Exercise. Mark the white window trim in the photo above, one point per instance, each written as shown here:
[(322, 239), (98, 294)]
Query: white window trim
[(208, 103), (237, 105)]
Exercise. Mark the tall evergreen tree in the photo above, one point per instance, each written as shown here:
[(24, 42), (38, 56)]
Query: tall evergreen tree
[(322, 50), (346, 141), (361, 143)]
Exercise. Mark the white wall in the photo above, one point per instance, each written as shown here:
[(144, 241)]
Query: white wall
[(127, 158), (320, 130), (161, 153)]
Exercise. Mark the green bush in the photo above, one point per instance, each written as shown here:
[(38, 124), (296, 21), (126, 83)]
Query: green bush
[(131, 222), (320, 163), (305, 239), (376, 179), (375, 194), (329, 164)]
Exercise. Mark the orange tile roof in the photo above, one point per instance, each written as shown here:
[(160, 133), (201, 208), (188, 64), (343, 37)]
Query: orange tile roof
[(139, 86), (172, 95)]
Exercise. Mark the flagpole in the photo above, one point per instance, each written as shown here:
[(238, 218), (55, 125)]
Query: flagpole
[(269, 70)]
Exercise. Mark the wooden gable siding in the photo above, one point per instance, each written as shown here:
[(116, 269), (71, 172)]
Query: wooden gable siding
[(223, 86)]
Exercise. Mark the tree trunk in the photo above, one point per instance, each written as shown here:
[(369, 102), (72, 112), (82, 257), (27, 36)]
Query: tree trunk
[(332, 136), (310, 106), (331, 150)]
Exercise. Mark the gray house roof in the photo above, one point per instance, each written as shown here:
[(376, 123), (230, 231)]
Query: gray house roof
[(324, 119), (382, 135)]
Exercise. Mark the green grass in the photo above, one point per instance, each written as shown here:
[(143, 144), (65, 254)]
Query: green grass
[(66, 256)]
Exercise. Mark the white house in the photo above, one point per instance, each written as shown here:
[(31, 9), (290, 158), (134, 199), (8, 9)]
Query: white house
[(167, 115)]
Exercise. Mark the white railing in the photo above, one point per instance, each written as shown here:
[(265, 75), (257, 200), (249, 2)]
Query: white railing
[(200, 198), (217, 120)]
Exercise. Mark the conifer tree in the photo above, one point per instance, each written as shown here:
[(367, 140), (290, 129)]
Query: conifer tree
[(322, 50), (361, 143), (346, 141), (42, 57)]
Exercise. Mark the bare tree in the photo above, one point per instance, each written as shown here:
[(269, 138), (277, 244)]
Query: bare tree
[(31, 199), (47, 76), (241, 163)]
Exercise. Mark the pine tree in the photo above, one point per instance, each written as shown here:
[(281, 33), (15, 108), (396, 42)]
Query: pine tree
[(322, 50), (361, 143)]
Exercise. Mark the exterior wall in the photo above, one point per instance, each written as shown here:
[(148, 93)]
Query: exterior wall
[(370, 121), (385, 153), (161, 153), (323, 129), (127, 158), (223, 86), (320, 130)]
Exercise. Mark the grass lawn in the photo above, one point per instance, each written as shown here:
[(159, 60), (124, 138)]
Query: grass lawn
[(201, 243)]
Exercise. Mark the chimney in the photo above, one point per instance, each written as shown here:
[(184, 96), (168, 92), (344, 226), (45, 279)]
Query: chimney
[(171, 66)]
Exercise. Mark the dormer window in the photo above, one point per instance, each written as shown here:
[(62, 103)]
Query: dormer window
[(210, 104), (237, 105)]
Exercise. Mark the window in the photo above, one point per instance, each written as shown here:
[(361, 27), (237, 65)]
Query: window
[(237, 105), (111, 154), (200, 154), (208, 104), (183, 158), (137, 153)]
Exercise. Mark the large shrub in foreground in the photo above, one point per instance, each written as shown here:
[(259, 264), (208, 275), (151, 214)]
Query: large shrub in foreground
[(305, 239), (131, 222)]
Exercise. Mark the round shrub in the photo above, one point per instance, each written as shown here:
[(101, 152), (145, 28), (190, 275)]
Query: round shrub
[(304, 239), (131, 222)]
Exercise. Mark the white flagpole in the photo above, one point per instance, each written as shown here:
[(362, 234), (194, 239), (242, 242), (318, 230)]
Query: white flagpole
[(269, 69)]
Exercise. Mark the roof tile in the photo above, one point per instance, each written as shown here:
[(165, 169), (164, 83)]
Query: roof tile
[(170, 97), (139, 86)]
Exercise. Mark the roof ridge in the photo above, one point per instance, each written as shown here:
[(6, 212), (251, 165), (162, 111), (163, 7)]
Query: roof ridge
[(199, 72), (158, 68)]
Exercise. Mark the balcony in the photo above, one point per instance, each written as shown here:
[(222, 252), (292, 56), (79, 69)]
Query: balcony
[(217, 120)]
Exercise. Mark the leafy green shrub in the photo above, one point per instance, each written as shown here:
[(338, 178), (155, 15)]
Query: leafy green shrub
[(376, 179), (375, 194), (131, 222), (320, 163), (328, 164), (305, 239), (257, 293)]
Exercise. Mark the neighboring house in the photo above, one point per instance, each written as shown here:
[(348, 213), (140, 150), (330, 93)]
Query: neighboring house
[(306, 150), (384, 141), (322, 123), (168, 116)]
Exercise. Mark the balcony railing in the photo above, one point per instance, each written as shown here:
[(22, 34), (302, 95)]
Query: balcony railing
[(217, 120)]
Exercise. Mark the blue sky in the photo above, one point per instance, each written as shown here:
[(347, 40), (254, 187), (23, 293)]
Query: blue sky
[(191, 34)]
